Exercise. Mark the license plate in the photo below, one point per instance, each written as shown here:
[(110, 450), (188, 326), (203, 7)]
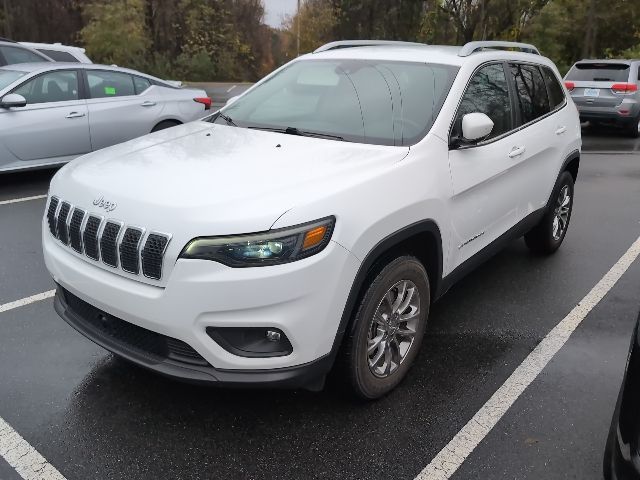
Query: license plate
[(591, 92)]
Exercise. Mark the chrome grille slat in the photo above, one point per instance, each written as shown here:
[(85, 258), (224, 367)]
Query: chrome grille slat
[(90, 237), (110, 241), (52, 214), (61, 225), (153, 255), (75, 234), (129, 250)]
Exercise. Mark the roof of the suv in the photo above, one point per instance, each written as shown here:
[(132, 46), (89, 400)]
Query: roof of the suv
[(415, 52)]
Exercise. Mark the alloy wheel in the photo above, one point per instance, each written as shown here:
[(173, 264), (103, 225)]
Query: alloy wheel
[(561, 213), (392, 329)]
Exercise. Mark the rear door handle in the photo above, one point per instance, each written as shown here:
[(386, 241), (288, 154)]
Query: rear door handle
[(516, 152), (75, 115), (561, 130), (147, 104)]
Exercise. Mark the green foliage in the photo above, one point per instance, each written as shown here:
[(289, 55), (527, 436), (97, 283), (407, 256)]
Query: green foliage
[(205, 40), (116, 32)]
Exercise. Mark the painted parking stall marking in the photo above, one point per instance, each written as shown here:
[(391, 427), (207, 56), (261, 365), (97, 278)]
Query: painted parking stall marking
[(25, 459), (17, 452), (23, 199), (26, 301), (451, 457)]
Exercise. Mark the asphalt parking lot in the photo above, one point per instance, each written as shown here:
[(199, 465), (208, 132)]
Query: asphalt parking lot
[(92, 416)]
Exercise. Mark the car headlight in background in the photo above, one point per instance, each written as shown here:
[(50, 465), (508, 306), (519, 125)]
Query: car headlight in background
[(261, 249)]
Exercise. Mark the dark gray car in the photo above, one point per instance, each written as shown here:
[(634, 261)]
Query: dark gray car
[(607, 91)]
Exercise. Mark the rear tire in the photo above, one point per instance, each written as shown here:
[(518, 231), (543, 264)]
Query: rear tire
[(547, 236), (633, 129), (388, 329), (164, 125)]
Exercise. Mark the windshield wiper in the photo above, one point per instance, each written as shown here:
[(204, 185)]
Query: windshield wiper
[(301, 133), (227, 119)]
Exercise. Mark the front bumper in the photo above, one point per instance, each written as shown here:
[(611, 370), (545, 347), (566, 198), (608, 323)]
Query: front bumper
[(303, 299), (136, 348)]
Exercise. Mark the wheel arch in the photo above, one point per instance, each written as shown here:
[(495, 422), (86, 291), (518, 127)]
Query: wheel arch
[(571, 165), (421, 239), (175, 121)]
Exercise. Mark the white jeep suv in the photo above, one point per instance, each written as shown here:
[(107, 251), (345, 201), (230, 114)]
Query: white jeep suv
[(315, 219)]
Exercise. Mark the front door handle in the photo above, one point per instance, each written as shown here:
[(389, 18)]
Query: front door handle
[(148, 104), (75, 115), (516, 152), (561, 130)]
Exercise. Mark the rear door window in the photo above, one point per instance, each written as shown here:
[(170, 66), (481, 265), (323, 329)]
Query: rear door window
[(141, 84), (531, 92), (556, 93), (599, 72), (14, 55), (105, 84), (59, 56)]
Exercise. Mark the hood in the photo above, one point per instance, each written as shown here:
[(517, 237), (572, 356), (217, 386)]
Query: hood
[(207, 179)]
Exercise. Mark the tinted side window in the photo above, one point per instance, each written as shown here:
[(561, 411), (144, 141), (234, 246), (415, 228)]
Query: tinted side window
[(531, 91), (15, 55), (556, 93), (105, 84), (488, 93), (61, 86), (59, 56), (141, 84)]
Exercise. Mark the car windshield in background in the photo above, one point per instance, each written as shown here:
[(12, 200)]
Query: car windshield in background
[(7, 77), (376, 102), (599, 72)]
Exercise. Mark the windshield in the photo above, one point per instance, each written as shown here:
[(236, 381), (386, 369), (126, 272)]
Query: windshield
[(377, 102), (7, 77), (599, 72)]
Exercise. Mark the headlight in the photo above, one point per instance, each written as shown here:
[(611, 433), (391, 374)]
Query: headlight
[(260, 249)]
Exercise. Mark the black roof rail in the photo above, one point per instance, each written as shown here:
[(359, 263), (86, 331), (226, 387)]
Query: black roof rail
[(2, 39), (473, 47), (364, 43)]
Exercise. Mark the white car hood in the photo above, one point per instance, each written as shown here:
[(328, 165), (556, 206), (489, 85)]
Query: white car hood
[(203, 179)]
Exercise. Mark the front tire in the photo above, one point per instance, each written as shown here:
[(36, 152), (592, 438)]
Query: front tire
[(388, 328), (547, 236)]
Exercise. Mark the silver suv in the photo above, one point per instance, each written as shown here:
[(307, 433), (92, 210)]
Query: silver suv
[(606, 91), (12, 53)]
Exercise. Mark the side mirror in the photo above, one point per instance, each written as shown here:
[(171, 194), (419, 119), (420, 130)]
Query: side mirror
[(231, 100), (13, 100), (476, 126)]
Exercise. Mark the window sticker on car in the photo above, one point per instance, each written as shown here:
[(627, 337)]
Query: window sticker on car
[(109, 90)]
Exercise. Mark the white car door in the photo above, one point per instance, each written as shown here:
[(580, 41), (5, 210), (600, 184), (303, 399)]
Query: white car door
[(53, 125), (486, 188), (116, 112), (542, 134)]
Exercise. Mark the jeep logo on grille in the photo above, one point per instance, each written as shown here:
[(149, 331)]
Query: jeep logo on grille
[(100, 202)]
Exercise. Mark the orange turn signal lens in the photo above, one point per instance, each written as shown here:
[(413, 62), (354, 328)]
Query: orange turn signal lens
[(314, 237)]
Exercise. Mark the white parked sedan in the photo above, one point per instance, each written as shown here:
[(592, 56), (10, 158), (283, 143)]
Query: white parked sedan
[(51, 113)]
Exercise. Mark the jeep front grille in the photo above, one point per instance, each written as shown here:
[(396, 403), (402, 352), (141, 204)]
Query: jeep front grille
[(114, 243)]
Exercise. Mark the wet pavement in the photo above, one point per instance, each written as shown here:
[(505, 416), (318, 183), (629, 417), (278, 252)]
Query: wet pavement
[(94, 416)]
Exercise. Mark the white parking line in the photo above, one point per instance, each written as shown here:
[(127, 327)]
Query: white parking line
[(231, 88), (25, 459), (451, 457), (26, 301), (23, 199), (17, 452)]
